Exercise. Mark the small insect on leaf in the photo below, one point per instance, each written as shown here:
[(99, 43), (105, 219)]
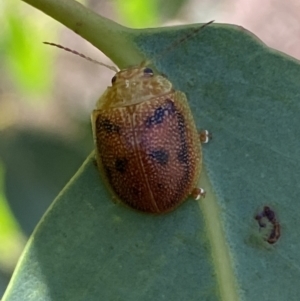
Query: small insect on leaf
[(148, 148)]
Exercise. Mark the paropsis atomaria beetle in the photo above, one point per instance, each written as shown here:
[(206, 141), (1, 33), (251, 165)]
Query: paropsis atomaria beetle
[(147, 145)]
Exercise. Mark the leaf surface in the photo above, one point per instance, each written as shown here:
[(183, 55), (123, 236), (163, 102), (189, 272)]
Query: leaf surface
[(88, 248)]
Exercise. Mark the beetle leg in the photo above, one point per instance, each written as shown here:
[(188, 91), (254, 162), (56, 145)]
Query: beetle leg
[(197, 193), (205, 136)]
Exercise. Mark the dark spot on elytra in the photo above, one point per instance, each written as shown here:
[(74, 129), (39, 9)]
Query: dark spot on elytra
[(106, 125), (121, 164), (161, 156), (159, 114)]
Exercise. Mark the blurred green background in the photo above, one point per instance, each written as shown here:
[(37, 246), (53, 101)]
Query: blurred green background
[(47, 95)]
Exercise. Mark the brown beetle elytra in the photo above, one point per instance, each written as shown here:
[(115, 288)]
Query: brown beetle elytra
[(147, 144)]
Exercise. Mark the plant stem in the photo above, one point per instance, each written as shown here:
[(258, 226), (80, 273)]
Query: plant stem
[(111, 38)]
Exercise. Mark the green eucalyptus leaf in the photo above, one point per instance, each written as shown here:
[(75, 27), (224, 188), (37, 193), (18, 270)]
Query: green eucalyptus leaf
[(88, 248)]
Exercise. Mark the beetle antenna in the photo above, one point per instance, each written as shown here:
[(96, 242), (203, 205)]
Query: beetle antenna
[(182, 39), (113, 68)]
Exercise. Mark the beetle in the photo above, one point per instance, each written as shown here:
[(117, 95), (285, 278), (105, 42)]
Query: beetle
[(147, 145)]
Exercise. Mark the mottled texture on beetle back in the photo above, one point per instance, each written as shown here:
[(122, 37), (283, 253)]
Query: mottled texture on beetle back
[(147, 143)]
